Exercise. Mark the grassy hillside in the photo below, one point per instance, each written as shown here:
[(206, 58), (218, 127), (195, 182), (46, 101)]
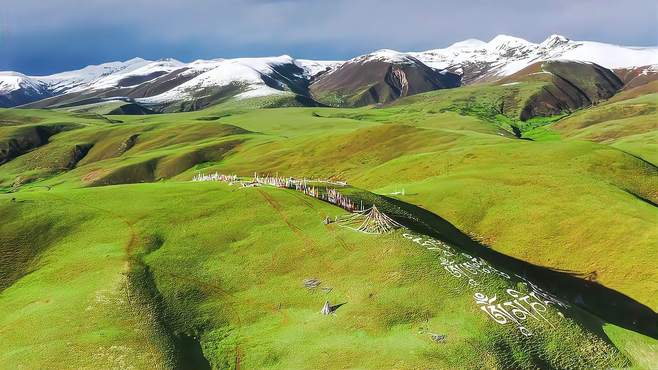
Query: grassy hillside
[(463, 168), (629, 124), (182, 269), (575, 207)]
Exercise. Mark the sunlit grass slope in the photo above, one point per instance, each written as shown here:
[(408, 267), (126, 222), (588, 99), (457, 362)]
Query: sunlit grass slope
[(144, 264), (630, 125), (185, 265), (538, 201)]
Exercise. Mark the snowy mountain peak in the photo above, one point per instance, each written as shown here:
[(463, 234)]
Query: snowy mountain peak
[(506, 41), (14, 81), (554, 40), (136, 60), (505, 55), (384, 55), (252, 77), (264, 62), (143, 72), (13, 74), (468, 44)]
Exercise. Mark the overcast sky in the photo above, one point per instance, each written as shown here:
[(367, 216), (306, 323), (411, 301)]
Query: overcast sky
[(45, 36)]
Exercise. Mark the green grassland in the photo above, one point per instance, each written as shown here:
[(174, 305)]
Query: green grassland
[(110, 270), (630, 125), (186, 260)]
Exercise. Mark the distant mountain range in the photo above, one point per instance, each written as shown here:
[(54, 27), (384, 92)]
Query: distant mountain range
[(143, 86)]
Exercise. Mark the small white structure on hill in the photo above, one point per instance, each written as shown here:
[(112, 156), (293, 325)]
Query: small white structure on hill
[(326, 309)]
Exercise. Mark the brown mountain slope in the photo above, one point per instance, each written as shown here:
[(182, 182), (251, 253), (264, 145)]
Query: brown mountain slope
[(638, 76), (380, 77)]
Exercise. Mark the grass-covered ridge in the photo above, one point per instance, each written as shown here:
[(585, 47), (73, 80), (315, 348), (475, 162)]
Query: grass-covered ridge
[(234, 281), (168, 272)]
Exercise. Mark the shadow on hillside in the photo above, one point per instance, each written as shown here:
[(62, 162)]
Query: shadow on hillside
[(336, 306), (608, 304), (187, 350)]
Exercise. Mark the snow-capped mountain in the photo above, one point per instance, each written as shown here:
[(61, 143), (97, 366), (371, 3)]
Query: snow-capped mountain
[(171, 84), (17, 88), (84, 78), (504, 55), (255, 76), (245, 72), (385, 55), (168, 81), (240, 78), (638, 76), (379, 77), (91, 78), (13, 81), (136, 74)]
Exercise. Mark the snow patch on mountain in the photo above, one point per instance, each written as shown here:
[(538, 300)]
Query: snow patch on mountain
[(313, 67), (14, 81), (85, 78), (384, 55), (607, 55), (505, 42), (160, 67), (650, 69), (554, 40), (256, 91)]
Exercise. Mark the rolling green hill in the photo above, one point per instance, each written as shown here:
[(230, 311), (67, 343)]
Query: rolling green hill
[(182, 269), (113, 256)]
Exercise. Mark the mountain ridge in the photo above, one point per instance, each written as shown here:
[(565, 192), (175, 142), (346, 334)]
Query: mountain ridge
[(167, 84)]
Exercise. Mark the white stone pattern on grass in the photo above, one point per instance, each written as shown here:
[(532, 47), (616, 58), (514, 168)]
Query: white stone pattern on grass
[(515, 309)]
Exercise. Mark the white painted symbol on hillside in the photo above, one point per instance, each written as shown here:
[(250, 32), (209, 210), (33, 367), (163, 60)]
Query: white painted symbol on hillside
[(515, 310)]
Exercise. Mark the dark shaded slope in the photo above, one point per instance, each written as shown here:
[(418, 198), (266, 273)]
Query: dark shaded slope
[(15, 141), (288, 76), (20, 97), (132, 109), (568, 86)]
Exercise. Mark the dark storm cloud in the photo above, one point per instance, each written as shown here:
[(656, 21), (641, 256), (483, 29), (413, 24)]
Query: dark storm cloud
[(38, 36)]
